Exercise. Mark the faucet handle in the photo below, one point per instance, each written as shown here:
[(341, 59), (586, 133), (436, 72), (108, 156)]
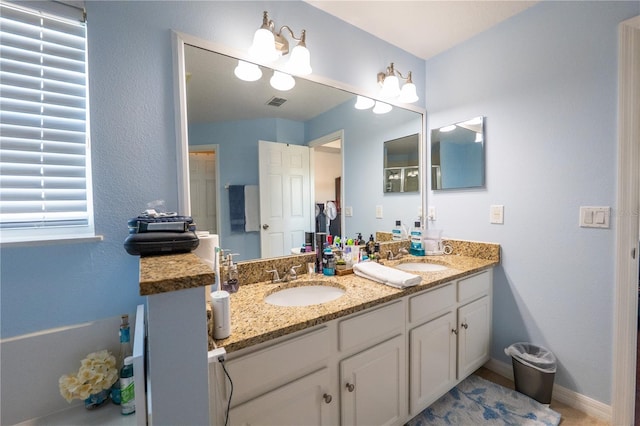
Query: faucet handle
[(276, 277), (292, 272)]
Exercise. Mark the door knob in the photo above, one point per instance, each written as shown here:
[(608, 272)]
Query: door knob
[(265, 226), (350, 387)]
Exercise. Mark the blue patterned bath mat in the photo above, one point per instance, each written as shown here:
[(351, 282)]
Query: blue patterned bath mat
[(476, 401)]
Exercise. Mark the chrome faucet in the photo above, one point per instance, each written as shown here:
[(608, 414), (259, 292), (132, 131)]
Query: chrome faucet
[(289, 275), (401, 253)]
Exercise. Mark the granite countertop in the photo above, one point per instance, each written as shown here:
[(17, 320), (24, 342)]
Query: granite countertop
[(254, 321), (171, 272)]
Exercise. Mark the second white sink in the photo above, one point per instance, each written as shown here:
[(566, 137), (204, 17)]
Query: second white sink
[(305, 295), (421, 267)]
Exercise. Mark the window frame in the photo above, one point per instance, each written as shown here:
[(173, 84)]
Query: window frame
[(46, 230)]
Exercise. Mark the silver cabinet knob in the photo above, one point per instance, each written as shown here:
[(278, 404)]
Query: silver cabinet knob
[(327, 398), (454, 331), (350, 387), (265, 226), (464, 325)]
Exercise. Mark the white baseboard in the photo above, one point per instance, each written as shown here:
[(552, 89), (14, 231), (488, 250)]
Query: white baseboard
[(561, 394)]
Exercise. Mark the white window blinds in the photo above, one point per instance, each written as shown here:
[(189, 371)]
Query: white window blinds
[(45, 179)]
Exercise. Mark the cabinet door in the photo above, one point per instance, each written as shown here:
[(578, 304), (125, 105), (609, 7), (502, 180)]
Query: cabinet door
[(305, 401), (373, 385), (474, 335), (432, 361)]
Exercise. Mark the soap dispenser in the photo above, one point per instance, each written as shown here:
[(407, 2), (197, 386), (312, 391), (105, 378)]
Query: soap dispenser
[(232, 274)]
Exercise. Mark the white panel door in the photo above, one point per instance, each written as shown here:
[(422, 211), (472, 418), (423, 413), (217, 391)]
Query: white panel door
[(474, 336), (202, 177), (432, 361), (285, 197), (305, 401), (373, 385)]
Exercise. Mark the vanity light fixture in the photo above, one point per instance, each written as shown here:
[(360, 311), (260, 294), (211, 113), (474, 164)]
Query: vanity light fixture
[(268, 46), (247, 71), (390, 84)]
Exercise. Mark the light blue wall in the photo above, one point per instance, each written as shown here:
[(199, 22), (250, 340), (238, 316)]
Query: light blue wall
[(546, 81), (134, 142)]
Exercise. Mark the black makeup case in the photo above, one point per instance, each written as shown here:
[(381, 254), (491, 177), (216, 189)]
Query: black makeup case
[(151, 243)]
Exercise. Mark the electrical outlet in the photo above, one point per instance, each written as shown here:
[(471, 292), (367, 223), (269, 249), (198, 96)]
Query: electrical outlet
[(218, 354)]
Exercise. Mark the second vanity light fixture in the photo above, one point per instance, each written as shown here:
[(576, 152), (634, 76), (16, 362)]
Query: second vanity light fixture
[(390, 90), (268, 46)]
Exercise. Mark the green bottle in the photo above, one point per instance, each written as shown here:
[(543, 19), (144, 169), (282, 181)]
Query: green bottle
[(127, 393)]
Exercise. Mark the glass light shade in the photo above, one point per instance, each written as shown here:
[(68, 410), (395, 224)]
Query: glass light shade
[(382, 108), (282, 81), (300, 61), (247, 71), (364, 102), (390, 87), (408, 94), (263, 48)]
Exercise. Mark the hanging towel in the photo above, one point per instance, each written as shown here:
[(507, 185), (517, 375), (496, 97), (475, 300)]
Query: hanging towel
[(386, 275), (236, 208), (251, 208)]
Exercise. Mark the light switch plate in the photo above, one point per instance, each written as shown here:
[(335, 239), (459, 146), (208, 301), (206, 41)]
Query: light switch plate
[(496, 214), (348, 211), (595, 216), (378, 212), (431, 213)]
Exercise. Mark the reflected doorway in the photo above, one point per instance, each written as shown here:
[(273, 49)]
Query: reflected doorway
[(203, 178), (328, 182)]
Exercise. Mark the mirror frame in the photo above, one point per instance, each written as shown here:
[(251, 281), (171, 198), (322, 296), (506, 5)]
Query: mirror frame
[(179, 40)]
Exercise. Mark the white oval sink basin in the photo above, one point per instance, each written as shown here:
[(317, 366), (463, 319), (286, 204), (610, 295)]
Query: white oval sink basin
[(304, 295), (421, 267)]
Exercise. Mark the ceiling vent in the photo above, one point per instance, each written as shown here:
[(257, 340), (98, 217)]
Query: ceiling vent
[(276, 102)]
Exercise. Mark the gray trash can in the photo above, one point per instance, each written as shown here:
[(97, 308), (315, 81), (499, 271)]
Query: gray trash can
[(534, 368)]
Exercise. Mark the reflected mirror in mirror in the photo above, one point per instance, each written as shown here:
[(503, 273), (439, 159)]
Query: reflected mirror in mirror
[(402, 164), (238, 135), (457, 155)]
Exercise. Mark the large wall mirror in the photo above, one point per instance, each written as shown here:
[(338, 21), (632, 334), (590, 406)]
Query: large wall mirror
[(457, 155), (277, 156)]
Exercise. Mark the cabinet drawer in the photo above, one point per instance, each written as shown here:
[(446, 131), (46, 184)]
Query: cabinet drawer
[(371, 327), (472, 287), (268, 368), (428, 304)]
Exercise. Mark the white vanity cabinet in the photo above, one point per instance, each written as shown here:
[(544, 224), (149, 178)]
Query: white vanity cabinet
[(304, 401), (474, 322), (449, 337), (373, 379), (379, 366), (287, 383)]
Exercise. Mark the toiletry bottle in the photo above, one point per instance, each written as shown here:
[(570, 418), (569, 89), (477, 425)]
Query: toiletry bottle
[(328, 262), (371, 245), (232, 275), (128, 402), (397, 231), (125, 351), (416, 239)]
